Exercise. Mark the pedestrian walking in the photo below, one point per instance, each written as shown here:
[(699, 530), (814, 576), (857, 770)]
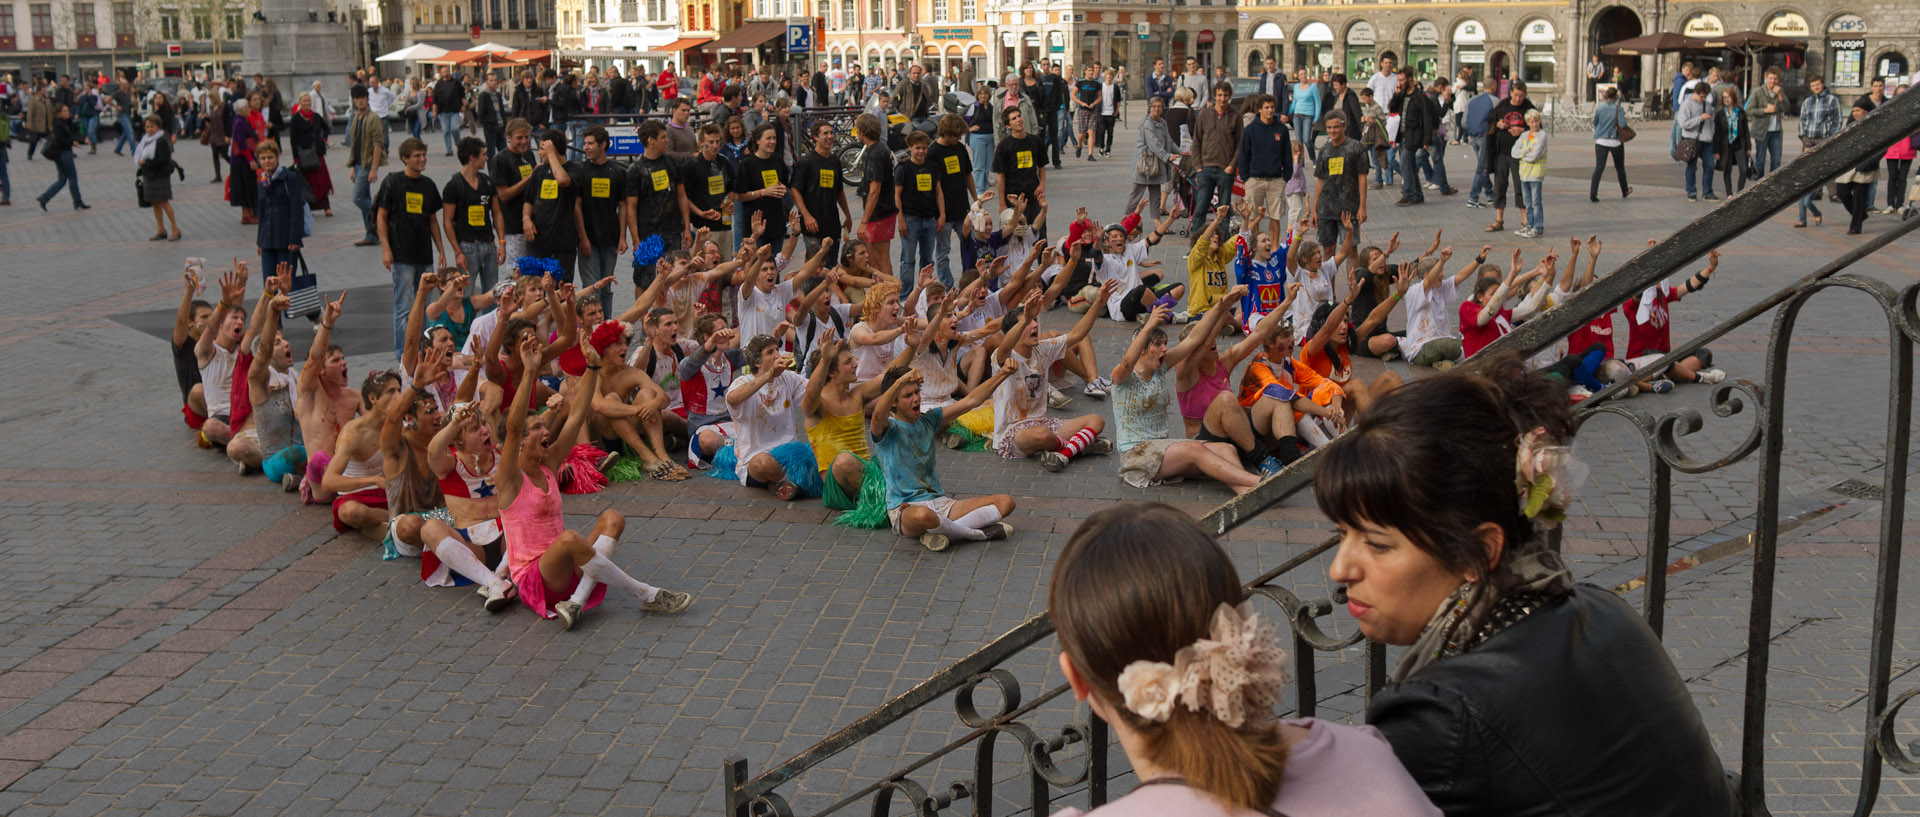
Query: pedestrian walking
[(307, 135), (1854, 185), (1697, 127), (1732, 145), (61, 138), (1608, 119), (1154, 157), (366, 152), (217, 132), (1819, 121), (153, 166)]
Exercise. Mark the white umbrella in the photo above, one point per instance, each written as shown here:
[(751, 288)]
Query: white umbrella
[(413, 53), (491, 47)]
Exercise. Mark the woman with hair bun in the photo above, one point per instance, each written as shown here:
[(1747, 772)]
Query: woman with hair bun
[(1157, 635), (1521, 692)]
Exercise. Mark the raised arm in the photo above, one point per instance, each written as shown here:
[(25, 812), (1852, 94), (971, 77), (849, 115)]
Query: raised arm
[(317, 353), (183, 317), (1698, 280), (508, 476), (1269, 324), (1209, 329), (817, 379), (1593, 261), (1123, 370), (576, 411), (233, 287), (416, 319), (883, 414)]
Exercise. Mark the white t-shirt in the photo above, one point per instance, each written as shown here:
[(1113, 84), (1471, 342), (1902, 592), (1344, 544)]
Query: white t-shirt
[(1316, 288), (480, 332), (939, 376), (1023, 396), (664, 369), (1124, 269), (768, 419), (871, 361), (760, 312), (1429, 315), (217, 380), (990, 310)]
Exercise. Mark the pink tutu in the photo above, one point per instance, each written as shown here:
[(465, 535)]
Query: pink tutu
[(533, 590)]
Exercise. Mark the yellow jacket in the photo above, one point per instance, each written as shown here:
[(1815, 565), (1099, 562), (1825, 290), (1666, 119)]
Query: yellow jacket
[(1207, 272)]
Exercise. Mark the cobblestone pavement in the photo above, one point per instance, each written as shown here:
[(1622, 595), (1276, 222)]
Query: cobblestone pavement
[(183, 641)]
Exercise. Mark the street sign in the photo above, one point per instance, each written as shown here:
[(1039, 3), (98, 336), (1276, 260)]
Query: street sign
[(1140, 29), (800, 36), (173, 50), (624, 140)]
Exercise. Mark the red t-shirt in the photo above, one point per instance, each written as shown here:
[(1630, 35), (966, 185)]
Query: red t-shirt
[(668, 84), (1652, 337), (1599, 330), (1473, 337)]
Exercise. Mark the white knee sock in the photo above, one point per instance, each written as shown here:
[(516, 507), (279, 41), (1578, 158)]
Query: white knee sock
[(605, 571), (958, 531), (584, 589), (1310, 431), (603, 545), (461, 560), (979, 517)]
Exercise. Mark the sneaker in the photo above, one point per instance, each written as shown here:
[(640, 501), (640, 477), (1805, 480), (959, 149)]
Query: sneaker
[(242, 468), (667, 601), (499, 596), (1662, 386), (1443, 365), (1058, 399), (1475, 203), (1101, 445), (568, 613), (1712, 376), (935, 542), (1076, 151), (1449, 191), (1053, 460), (1710, 197), (1522, 232), (953, 441), (289, 482), (997, 531), (1180, 317), (1270, 466), (1693, 198), (1430, 186)]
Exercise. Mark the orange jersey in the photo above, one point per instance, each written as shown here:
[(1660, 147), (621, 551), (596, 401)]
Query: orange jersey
[(1283, 381)]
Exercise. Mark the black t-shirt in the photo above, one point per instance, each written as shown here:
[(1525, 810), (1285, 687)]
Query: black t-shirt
[(1087, 91), (876, 163), (447, 95), (553, 208), (186, 368), (1019, 159), (600, 202), (472, 208), (412, 203), (706, 181), (817, 181), (754, 174), (919, 188), (650, 182), (955, 165), (508, 168)]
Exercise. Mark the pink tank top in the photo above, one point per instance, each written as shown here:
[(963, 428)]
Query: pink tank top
[(533, 521), (1194, 401)]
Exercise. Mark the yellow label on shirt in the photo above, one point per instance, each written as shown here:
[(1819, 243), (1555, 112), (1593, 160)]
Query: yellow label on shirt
[(416, 203), (953, 164), (1023, 159), (923, 182), (602, 188), (476, 215), (1336, 165), (525, 171), (549, 188), (660, 180), (769, 178), (826, 178), (716, 185)]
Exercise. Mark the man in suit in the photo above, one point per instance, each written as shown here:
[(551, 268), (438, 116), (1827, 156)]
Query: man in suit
[(1273, 83)]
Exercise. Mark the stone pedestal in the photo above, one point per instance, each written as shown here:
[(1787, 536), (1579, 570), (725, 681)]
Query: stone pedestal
[(295, 52)]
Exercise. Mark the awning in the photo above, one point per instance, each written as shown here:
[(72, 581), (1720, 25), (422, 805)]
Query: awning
[(685, 43), (750, 36), (412, 53)]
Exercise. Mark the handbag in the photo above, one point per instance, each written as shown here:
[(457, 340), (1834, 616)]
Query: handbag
[(1686, 150), (140, 191), (1148, 166), (1622, 131), (304, 300), (308, 158)]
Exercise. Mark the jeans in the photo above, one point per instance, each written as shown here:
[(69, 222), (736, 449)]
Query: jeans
[(6, 182), (1482, 180), (1410, 176), (414, 125), (945, 240), (1806, 205), (1209, 181), (405, 278), (574, 133), (1897, 170), (1600, 154), (916, 237), (90, 126), (1766, 149), (1053, 135), (363, 199), (1536, 206), (597, 265), (496, 140), (1436, 161), (450, 129), (1703, 162), (1382, 171), (516, 248), (982, 146), (1302, 135), (483, 265), (126, 134), (63, 164)]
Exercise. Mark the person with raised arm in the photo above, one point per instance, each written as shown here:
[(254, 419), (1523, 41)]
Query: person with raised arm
[(1021, 427), (270, 439), (463, 459), (355, 477), (903, 443), (835, 409), (1327, 350), (1209, 408), (629, 404), (1287, 397), (215, 353), (559, 573), (765, 404), (1432, 337), (323, 401), (1142, 392), (190, 321)]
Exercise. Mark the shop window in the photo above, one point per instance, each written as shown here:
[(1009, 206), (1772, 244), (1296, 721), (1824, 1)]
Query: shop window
[(1849, 62), (1537, 64)]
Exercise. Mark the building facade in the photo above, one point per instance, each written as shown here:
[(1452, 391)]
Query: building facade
[(50, 38), (450, 24), (1114, 34)]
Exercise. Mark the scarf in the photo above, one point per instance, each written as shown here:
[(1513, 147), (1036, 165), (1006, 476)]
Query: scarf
[(144, 151), (1522, 584), (1647, 297)]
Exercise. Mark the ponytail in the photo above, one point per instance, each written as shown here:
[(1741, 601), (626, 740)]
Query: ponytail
[(1241, 767)]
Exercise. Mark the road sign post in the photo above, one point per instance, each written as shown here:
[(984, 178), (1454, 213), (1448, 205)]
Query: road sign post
[(799, 36)]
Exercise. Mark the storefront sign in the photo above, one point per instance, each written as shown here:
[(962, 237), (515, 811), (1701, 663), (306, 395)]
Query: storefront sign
[(1847, 24), (1849, 62), (1140, 29), (1788, 24), (1360, 34), (1704, 25), (1538, 32), (961, 34), (1008, 39), (1423, 33), (1204, 38), (1468, 32)]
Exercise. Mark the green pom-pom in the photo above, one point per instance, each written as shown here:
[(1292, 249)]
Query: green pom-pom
[(974, 442), (871, 512)]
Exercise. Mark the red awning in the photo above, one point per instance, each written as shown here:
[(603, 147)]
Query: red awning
[(750, 36), (684, 43)]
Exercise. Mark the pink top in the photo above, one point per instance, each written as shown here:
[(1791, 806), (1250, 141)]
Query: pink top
[(1335, 771), (1194, 401), (1901, 150), (533, 521)]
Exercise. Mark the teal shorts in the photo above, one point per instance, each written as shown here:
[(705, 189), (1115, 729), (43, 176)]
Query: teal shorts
[(289, 460)]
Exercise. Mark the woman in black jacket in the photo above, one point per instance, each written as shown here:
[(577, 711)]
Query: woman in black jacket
[(59, 149), (1732, 145), (153, 160), (281, 205), (1521, 692)]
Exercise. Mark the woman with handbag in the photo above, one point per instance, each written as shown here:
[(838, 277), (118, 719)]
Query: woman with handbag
[(1695, 147), (153, 160), (1732, 146), (1153, 160), (217, 130), (1610, 137), (307, 135), (61, 138), (282, 208)]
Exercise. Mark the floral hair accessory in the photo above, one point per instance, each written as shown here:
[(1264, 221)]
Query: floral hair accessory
[(1547, 476), (1235, 673)]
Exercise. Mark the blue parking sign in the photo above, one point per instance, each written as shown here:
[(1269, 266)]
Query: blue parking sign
[(800, 37)]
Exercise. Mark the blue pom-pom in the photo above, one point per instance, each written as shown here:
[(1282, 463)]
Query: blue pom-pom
[(530, 265), (648, 251)]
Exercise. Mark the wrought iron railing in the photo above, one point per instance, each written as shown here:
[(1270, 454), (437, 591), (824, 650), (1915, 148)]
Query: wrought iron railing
[(1041, 757)]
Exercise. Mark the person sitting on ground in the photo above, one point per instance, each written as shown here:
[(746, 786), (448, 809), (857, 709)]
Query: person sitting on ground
[(1315, 273), (881, 334), (1159, 637), (1137, 289), (705, 374), (765, 403), (1505, 652), (1142, 392), (355, 477), (1326, 353), (270, 439), (1432, 336), (1260, 266), (1650, 334), (412, 418), (1210, 410), (323, 401), (464, 461), (1484, 317), (189, 323), (1021, 427), (903, 442), (1208, 258), (557, 572), (215, 353), (1287, 396), (630, 405), (835, 410)]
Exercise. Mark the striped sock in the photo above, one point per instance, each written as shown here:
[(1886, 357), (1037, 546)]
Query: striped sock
[(1073, 445)]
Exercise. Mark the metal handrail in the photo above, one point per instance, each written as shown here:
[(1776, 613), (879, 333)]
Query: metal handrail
[(1746, 210)]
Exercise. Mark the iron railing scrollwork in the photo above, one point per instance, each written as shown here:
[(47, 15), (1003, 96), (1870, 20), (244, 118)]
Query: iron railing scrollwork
[(1763, 401)]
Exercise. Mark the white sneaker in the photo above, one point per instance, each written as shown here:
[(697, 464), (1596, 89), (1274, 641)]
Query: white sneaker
[(568, 613), (1431, 186), (935, 542), (1712, 376), (1094, 391), (498, 596), (1058, 399)]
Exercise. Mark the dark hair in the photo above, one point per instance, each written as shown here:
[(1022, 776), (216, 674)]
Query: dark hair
[(411, 145), (763, 128), (375, 381), (469, 147), (711, 129), (654, 315), (1339, 77), (650, 129), (1517, 85), (1435, 459), (1223, 86), (1006, 116), (918, 137), (598, 134), (1138, 582), (558, 140), (867, 126)]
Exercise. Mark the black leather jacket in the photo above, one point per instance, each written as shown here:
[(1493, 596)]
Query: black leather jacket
[(1574, 710)]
